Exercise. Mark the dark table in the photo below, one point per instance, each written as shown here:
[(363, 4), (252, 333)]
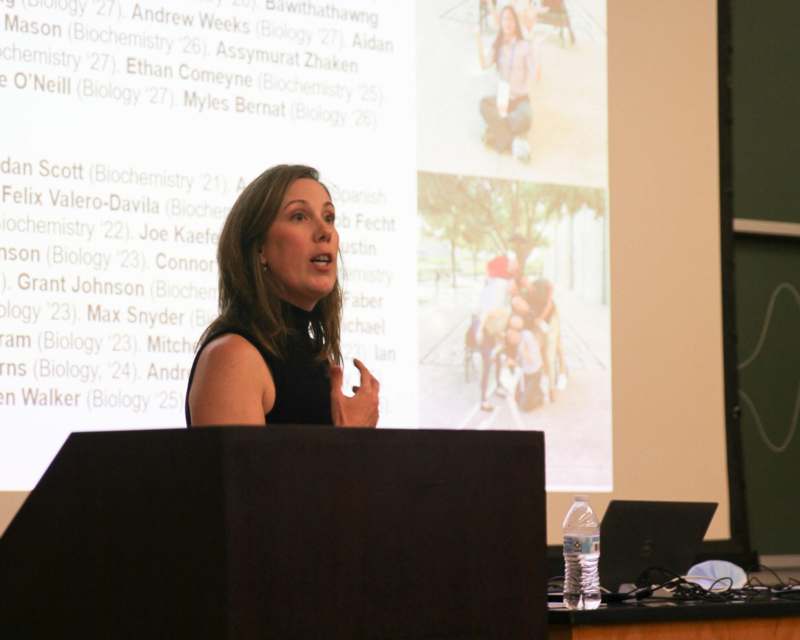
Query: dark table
[(775, 618)]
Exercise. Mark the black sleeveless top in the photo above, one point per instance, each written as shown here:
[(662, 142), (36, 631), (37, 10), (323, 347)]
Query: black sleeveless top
[(302, 383)]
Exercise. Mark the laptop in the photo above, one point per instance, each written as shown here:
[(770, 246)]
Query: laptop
[(636, 535)]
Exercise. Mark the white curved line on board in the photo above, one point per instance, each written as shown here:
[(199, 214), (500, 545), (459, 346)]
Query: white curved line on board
[(748, 361), (768, 319), (760, 426)]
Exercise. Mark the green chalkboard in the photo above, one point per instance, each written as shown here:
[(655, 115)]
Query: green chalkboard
[(765, 110), (767, 290)]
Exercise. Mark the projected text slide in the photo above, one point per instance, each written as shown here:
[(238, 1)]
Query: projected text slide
[(129, 129)]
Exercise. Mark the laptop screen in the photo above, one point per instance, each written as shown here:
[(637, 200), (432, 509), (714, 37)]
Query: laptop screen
[(636, 535)]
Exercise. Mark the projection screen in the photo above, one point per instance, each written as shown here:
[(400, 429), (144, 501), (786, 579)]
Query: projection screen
[(516, 216)]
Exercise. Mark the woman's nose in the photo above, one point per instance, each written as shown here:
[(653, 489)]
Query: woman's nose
[(323, 230)]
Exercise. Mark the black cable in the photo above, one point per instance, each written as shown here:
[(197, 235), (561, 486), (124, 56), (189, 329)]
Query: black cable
[(654, 579), (780, 581)]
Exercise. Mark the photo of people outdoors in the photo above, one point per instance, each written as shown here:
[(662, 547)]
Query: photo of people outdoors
[(513, 88), (513, 308)]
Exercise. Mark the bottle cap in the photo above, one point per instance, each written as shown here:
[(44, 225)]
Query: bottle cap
[(582, 498)]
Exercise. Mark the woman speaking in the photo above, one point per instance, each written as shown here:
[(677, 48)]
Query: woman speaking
[(273, 356)]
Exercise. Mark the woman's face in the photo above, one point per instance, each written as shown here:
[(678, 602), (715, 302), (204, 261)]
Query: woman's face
[(507, 23), (302, 244)]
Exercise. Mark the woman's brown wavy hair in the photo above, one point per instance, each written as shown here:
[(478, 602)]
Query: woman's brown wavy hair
[(498, 41), (249, 295)]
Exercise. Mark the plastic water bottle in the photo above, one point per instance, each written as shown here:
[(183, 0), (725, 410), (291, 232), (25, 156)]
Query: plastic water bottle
[(581, 556)]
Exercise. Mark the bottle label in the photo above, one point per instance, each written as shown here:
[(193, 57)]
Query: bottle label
[(582, 544)]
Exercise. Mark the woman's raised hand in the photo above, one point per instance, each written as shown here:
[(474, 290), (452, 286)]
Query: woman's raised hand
[(360, 410)]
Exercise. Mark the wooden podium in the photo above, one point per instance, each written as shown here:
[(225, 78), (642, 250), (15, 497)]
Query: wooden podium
[(283, 532)]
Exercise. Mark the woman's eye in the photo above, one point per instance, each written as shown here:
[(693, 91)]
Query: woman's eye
[(330, 218), (298, 215)]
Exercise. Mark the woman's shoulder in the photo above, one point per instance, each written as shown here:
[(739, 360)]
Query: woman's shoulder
[(225, 337), (231, 348), (232, 383), (228, 341)]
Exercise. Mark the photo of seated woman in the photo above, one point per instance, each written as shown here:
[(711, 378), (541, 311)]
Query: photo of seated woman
[(513, 89), (508, 114)]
